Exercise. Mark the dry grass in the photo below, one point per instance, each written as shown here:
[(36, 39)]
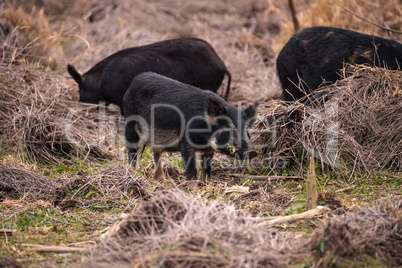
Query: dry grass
[(36, 118), (171, 228), (18, 181), (106, 189), (374, 232), (387, 13), (176, 230), (361, 124), (29, 35)]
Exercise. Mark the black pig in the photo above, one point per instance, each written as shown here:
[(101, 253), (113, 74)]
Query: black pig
[(170, 116), (189, 60), (315, 55)]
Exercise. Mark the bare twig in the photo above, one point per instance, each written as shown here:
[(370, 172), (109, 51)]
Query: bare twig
[(236, 189), (294, 16)]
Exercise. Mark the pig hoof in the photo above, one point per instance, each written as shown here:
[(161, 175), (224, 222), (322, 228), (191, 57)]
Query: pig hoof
[(251, 154)]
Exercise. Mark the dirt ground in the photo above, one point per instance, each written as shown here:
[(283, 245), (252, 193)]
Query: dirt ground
[(71, 200)]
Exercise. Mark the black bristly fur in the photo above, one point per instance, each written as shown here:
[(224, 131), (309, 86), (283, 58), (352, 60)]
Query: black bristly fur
[(197, 107), (317, 54), (189, 60)]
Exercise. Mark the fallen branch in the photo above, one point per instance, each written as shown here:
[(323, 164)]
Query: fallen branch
[(236, 189), (310, 214), (42, 248), (265, 178)]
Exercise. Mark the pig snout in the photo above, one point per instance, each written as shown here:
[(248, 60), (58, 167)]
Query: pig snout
[(246, 151)]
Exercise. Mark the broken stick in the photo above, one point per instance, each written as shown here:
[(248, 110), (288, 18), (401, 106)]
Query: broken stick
[(42, 248), (310, 214), (311, 189)]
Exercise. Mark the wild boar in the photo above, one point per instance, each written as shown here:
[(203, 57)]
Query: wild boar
[(189, 60), (170, 116), (314, 56)]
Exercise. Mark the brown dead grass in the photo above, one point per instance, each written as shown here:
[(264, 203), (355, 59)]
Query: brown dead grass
[(17, 181), (387, 13), (29, 35), (177, 230), (106, 189), (174, 229), (374, 232), (36, 118)]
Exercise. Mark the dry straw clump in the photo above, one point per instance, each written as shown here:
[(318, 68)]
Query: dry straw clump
[(105, 189), (376, 232), (17, 181), (175, 230), (359, 128), (37, 121)]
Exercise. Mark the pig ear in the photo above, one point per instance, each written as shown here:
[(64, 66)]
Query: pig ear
[(251, 111), (75, 74), (215, 108)]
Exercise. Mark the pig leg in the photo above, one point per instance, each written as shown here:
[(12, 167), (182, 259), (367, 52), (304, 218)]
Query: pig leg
[(158, 165), (132, 156), (206, 166), (132, 142), (189, 161)]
